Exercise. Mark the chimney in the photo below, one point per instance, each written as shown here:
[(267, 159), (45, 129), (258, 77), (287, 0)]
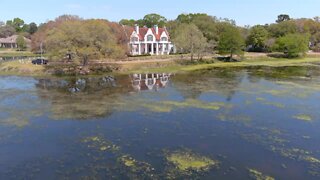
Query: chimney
[(137, 28), (156, 29)]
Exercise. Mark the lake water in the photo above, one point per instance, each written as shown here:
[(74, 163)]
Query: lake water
[(211, 124)]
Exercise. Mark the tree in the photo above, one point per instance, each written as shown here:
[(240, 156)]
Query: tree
[(282, 28), (257, 38), (33, 28), (6, 31), (86, 39), (206, 23), (17, 23), (230, 41), (189, 39), (21, 43), (154, 19), (283, 17), (128, 22), (293, 45)]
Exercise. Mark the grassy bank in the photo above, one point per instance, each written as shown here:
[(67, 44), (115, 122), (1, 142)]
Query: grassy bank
[(177, 66), (15, 53), (159, 66), (21, 68)]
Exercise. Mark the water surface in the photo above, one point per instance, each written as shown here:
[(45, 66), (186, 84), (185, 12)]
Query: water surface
[(248, 123)]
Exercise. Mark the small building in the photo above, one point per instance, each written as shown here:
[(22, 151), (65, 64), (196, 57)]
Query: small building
[(153, 41), (11, 42)]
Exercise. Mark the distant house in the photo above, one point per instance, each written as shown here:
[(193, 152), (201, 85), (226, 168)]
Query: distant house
[(154, 41), (10, 42)]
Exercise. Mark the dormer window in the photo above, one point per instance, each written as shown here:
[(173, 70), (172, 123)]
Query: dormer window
[(149, 38), (164, 39), (134, 39)]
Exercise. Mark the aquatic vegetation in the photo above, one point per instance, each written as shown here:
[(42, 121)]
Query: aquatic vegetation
[(128, 161), (255, 174), (275, 104), (186, 160), (137, 169), (303, 117), (125, 163), (19, 107), (168, 106), (273, 142), (229, 117), (307, 85), (312, 159), (260, 99), (100, 143)]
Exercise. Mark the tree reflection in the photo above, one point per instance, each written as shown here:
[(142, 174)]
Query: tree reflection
[(221, 81), (86, 98), (83, 98)]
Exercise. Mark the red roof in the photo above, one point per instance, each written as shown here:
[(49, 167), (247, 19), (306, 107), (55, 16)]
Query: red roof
[(143, 31)]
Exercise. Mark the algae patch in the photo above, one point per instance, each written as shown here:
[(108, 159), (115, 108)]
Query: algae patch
[(255, 174), (136, 169), (303, 117), (275, 104), (100, 143), (185, 160)]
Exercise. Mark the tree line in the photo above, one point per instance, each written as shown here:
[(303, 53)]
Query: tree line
[(201, 33), (17, 26), (71, 37)]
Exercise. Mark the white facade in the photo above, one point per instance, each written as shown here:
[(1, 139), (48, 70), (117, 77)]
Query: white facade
[(154, 41)]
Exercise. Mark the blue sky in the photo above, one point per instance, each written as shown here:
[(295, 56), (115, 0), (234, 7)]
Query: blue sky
[(245, 12)]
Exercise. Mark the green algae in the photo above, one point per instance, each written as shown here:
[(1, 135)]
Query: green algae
[(186, 160), (255, 174), (166, 106), (312, 159), (135, 169), (228, 117), (100, 143), (128, 161), (273, 142), (124, 163), (303, 117), (275, 104)]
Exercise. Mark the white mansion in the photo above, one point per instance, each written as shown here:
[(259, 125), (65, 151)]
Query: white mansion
[(154, 41)]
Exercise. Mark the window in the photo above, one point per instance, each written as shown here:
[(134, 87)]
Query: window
[(149, 38), (163, 39), (134, 39)]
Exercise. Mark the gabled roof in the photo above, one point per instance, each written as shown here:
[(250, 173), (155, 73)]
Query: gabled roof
[(144, 30)]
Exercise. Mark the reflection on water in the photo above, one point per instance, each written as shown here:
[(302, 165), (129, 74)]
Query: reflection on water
[(259, 123), (142, 82)]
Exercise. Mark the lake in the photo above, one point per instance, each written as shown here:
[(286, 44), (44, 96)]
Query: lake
[(258, 123)]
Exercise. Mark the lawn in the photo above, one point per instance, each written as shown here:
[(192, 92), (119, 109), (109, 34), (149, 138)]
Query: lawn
[(21, 68), (14, 52), (177, 67)]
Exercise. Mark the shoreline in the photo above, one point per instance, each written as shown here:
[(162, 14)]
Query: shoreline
[(15, 68)]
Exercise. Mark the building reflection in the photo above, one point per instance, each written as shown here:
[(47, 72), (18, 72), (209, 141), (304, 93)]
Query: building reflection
[(142, 82)]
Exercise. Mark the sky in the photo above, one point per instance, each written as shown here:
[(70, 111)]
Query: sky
[(244, 12)]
